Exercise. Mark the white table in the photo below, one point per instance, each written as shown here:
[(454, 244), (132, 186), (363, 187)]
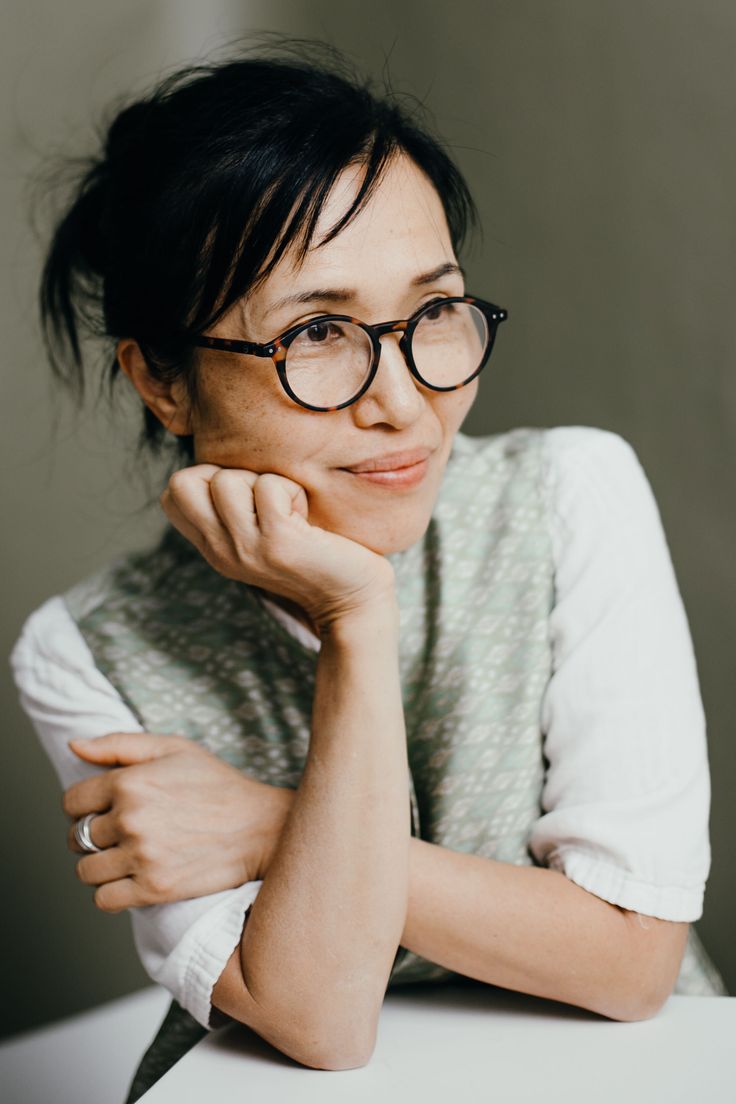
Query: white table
[(85, 1059), (471, 1042)]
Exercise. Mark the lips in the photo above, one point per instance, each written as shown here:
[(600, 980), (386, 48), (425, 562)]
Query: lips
[(391, 461)]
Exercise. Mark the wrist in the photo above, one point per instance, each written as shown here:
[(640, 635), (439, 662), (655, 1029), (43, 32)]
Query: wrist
[(374, 625)]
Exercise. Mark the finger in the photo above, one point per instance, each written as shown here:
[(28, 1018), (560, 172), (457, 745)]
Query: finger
[(231, 490), (91, 795), (277, 498), (125, 748), (102, 831), (122, 894), (181, 522), (188, 504), (108, 866)]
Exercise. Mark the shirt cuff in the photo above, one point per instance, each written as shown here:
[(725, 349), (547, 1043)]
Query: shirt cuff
[(618, 887), (191, 969)]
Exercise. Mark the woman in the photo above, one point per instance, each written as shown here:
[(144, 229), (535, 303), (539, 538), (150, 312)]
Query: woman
[(354, 603)]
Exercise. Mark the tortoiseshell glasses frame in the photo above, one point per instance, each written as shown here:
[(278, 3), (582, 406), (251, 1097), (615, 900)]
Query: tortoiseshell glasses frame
[(277, 349)]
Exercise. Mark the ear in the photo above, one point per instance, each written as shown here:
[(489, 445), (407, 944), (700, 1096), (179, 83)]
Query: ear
[(168, 401)]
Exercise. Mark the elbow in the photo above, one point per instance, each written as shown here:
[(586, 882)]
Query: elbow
[(635, 1005), (631, 1013), (332, 1059), (339, 1046), (330, 1054), (323, 1046)]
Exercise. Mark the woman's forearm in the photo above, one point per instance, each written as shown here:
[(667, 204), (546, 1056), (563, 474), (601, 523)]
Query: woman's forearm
[(533, 930), (323, 933)]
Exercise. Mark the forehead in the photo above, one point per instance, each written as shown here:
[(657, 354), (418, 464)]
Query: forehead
[(400, 231), (404, 204)]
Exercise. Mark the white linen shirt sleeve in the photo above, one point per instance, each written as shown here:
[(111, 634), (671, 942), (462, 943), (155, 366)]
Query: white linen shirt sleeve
[(626, 797), (185, 945)]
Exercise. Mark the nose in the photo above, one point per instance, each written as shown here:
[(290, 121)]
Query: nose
[(394, 396)]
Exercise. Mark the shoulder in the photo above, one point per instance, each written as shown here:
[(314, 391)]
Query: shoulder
[(51, 660), (61, 690), (596, 487), (53, 667), (49, 633), (588, 453)]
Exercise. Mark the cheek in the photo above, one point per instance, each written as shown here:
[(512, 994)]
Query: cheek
[(263, 433), (452, 408), (237, 421)]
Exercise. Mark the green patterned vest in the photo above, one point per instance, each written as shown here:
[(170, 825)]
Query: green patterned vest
[(197, 654)]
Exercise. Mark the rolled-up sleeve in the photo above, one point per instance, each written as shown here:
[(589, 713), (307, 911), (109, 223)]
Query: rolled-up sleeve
[(626, 797), (185, 945)]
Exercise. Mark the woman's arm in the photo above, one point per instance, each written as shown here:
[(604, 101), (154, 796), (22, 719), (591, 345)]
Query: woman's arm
[(322, 936), (316, 956), (185, 944), (624, 817), (533, 930)]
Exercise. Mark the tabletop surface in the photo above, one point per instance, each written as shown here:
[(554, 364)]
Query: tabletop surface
[(482, 1044)]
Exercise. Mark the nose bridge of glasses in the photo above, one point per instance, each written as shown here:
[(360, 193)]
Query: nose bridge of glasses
[(391, 327), (397, 327)]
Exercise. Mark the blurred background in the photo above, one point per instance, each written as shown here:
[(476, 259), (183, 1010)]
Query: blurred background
[(598, 142)]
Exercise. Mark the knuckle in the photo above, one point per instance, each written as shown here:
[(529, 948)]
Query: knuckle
[(146, 855), (236, 476), (161, 887), (178, 483), (223, 475), (129, 823), (123, 784), (157, 886)]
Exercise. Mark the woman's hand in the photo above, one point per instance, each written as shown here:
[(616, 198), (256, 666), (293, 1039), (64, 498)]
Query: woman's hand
[(255, 528), (175, 820)]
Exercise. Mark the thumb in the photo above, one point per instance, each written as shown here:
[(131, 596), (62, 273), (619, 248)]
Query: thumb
[(124, 747)]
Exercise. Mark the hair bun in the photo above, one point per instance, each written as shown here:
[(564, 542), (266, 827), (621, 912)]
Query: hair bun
[(128, 128)]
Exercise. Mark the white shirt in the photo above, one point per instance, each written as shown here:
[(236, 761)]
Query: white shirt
[(626, 796)]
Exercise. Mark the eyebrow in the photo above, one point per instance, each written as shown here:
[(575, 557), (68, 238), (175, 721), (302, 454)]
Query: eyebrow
[(344, 295)]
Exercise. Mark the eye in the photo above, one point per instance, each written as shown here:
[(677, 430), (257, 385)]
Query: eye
[(437, 309), (320, 332), (317, 337)]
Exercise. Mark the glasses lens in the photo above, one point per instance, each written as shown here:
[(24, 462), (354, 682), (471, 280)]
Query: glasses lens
[(328, 363), (449, 343)]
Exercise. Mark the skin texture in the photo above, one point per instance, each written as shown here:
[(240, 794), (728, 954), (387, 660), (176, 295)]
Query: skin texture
[(260, 454)]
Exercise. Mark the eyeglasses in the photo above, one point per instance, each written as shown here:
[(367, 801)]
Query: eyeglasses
[(328, 362)]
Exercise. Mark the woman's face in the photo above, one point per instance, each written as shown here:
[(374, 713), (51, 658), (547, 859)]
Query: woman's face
[(381, 265)]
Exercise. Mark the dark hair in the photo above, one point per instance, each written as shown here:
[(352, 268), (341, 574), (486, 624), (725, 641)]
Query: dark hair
[(175, 219)]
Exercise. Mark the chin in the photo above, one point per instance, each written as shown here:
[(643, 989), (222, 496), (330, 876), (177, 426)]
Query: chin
[(387, 538)]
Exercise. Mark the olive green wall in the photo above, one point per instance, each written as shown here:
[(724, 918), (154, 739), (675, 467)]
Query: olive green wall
[(598, 140)]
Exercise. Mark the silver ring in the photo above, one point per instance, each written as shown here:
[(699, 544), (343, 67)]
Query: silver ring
[(81, 833)]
